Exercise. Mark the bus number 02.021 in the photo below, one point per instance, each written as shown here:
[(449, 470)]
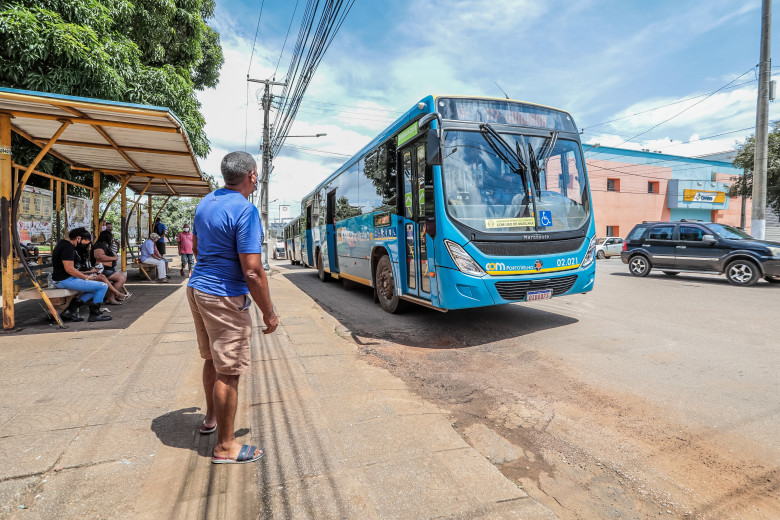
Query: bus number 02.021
[(566, 262)]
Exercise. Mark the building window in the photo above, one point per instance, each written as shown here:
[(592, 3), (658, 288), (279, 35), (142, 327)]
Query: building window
[(652, 187), (613, 184), (613, 231)]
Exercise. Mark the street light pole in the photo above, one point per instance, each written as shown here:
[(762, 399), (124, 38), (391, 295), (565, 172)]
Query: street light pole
[(266, 163), (760, 159)]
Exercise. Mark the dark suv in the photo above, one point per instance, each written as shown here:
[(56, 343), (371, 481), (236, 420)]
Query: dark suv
[(701, 247)]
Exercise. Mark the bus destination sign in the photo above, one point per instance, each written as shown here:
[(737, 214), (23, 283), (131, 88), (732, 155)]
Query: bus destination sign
[(504, 113)]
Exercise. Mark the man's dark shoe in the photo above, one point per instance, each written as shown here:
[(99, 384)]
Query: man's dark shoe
[(67, 315), (72, 312), (95, 314)]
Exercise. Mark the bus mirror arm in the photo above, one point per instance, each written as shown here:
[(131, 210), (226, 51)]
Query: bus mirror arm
[(433, 146), (430, 226)]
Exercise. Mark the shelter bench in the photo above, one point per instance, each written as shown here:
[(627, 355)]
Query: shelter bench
[(147, 271)]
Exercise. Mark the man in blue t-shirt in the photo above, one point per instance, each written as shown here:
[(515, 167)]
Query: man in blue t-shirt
[(227, 245), (161, 229)]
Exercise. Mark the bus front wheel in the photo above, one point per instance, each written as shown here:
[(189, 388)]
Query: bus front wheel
[(384, 284)]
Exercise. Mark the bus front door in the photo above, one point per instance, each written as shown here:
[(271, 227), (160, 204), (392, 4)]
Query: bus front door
[(413, 164), (330, 232)]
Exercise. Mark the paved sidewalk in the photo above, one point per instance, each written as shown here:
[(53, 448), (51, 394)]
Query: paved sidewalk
[(102, 424)]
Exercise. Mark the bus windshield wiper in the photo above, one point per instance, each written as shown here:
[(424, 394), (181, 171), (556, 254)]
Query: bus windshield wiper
[(544, 154), (511, 157), (504, 151)]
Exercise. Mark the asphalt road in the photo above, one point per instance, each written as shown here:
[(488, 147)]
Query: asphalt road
[(647, 395)]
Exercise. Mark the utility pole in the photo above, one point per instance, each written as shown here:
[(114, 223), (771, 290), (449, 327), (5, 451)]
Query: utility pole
[(266, 164), (758, 217)]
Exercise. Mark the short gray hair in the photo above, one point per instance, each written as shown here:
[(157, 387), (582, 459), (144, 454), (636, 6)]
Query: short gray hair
[(154, 236), (237, 165)]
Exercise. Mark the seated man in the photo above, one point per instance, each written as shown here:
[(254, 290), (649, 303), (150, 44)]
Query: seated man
[(66, 276), (150, 255)]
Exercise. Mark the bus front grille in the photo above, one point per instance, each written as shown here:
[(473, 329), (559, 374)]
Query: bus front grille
[(549, 247), (517, 290)]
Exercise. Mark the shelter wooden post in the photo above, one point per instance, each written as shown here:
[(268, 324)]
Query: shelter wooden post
[(51, 239), (58, 208), (6, 254), (151, 221), (95, 205), (123, 225)]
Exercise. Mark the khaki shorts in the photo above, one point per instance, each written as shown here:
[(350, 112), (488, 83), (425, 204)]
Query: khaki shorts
[(223, 326)]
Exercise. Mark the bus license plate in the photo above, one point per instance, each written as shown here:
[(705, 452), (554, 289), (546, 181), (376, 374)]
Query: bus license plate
[(539, 295)]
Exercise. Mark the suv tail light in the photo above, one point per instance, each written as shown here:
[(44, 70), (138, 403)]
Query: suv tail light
[(625, 246)]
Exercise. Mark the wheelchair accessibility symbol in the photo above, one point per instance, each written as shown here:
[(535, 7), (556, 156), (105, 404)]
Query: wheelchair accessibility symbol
[(545, 218)]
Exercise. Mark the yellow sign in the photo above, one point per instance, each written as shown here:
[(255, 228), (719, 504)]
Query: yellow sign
[(718, 197), (493, 223)]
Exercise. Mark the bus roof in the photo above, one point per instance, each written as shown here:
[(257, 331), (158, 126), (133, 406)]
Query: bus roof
[(398, 124)]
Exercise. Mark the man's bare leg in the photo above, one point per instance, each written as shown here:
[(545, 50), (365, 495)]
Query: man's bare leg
[(209, 378), (225, 404)]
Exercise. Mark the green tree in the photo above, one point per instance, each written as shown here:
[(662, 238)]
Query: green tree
[(743, 186), (154, 52)]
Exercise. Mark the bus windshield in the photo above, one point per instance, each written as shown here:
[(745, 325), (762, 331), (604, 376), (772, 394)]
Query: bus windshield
[(486, 193)]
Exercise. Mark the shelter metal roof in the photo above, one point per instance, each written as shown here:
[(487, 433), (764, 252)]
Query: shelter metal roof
[(113, 138)]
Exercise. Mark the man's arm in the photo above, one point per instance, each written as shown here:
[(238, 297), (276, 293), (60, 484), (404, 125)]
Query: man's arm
[(252, 265), (195, 247)]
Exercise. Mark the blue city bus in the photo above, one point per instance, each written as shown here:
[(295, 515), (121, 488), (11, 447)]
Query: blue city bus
[(292, 241), (462, 202)]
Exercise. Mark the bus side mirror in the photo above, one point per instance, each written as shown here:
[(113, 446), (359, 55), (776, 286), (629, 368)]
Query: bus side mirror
[(433, 145)]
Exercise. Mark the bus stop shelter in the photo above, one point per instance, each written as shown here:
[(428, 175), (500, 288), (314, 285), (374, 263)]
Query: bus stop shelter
[(145, 148)]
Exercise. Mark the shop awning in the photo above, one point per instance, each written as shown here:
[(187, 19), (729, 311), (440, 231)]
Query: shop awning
[(113, 138)]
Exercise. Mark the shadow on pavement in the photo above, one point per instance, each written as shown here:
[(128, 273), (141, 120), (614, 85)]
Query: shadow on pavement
[(353, 305), (31, 318), (709, 279), (176, 429)]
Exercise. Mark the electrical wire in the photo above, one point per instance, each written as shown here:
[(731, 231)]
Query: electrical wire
[(285, 37), (685, 109), (257, 30)]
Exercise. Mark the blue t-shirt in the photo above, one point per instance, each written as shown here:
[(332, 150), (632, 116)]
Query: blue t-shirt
[(160, 228), (226, 224)]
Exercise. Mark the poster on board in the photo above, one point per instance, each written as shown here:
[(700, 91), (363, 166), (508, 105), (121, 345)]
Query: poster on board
[(35, 215), (79, 213), (132, 228)]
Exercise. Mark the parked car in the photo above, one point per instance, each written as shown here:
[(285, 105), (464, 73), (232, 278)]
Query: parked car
[(279, 251), (608, 246), (701, 247)]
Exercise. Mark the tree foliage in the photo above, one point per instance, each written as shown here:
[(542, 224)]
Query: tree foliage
[(153, 52), (743, 186)]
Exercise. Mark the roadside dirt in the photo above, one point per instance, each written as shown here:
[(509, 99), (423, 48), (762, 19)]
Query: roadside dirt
[(584, 452)]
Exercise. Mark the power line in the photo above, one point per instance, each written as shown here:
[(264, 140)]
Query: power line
[(663, 106), (257, 30), (285, 37), (685, 109)]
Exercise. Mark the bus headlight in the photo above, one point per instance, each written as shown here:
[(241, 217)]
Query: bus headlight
[(591, 254), (463, 260)]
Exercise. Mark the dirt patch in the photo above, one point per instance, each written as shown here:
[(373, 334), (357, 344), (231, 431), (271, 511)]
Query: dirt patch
[(585, 452)]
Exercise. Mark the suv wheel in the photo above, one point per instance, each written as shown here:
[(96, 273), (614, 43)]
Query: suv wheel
[(600, 255), (742, 273), (639, 265)]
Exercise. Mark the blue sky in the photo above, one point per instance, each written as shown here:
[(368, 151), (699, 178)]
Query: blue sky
[(600, 60)]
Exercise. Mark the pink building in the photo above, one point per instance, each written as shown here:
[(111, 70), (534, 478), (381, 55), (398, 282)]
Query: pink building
[(629, 186)]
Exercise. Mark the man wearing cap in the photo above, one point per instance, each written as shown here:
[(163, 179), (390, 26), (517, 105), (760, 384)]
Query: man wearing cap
[(227, 245)]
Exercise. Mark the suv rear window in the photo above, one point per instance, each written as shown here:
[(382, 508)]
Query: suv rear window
[(637, 233), (661, 233)]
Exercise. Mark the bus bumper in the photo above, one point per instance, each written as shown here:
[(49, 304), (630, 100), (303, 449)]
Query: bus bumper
[(471, 291)]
